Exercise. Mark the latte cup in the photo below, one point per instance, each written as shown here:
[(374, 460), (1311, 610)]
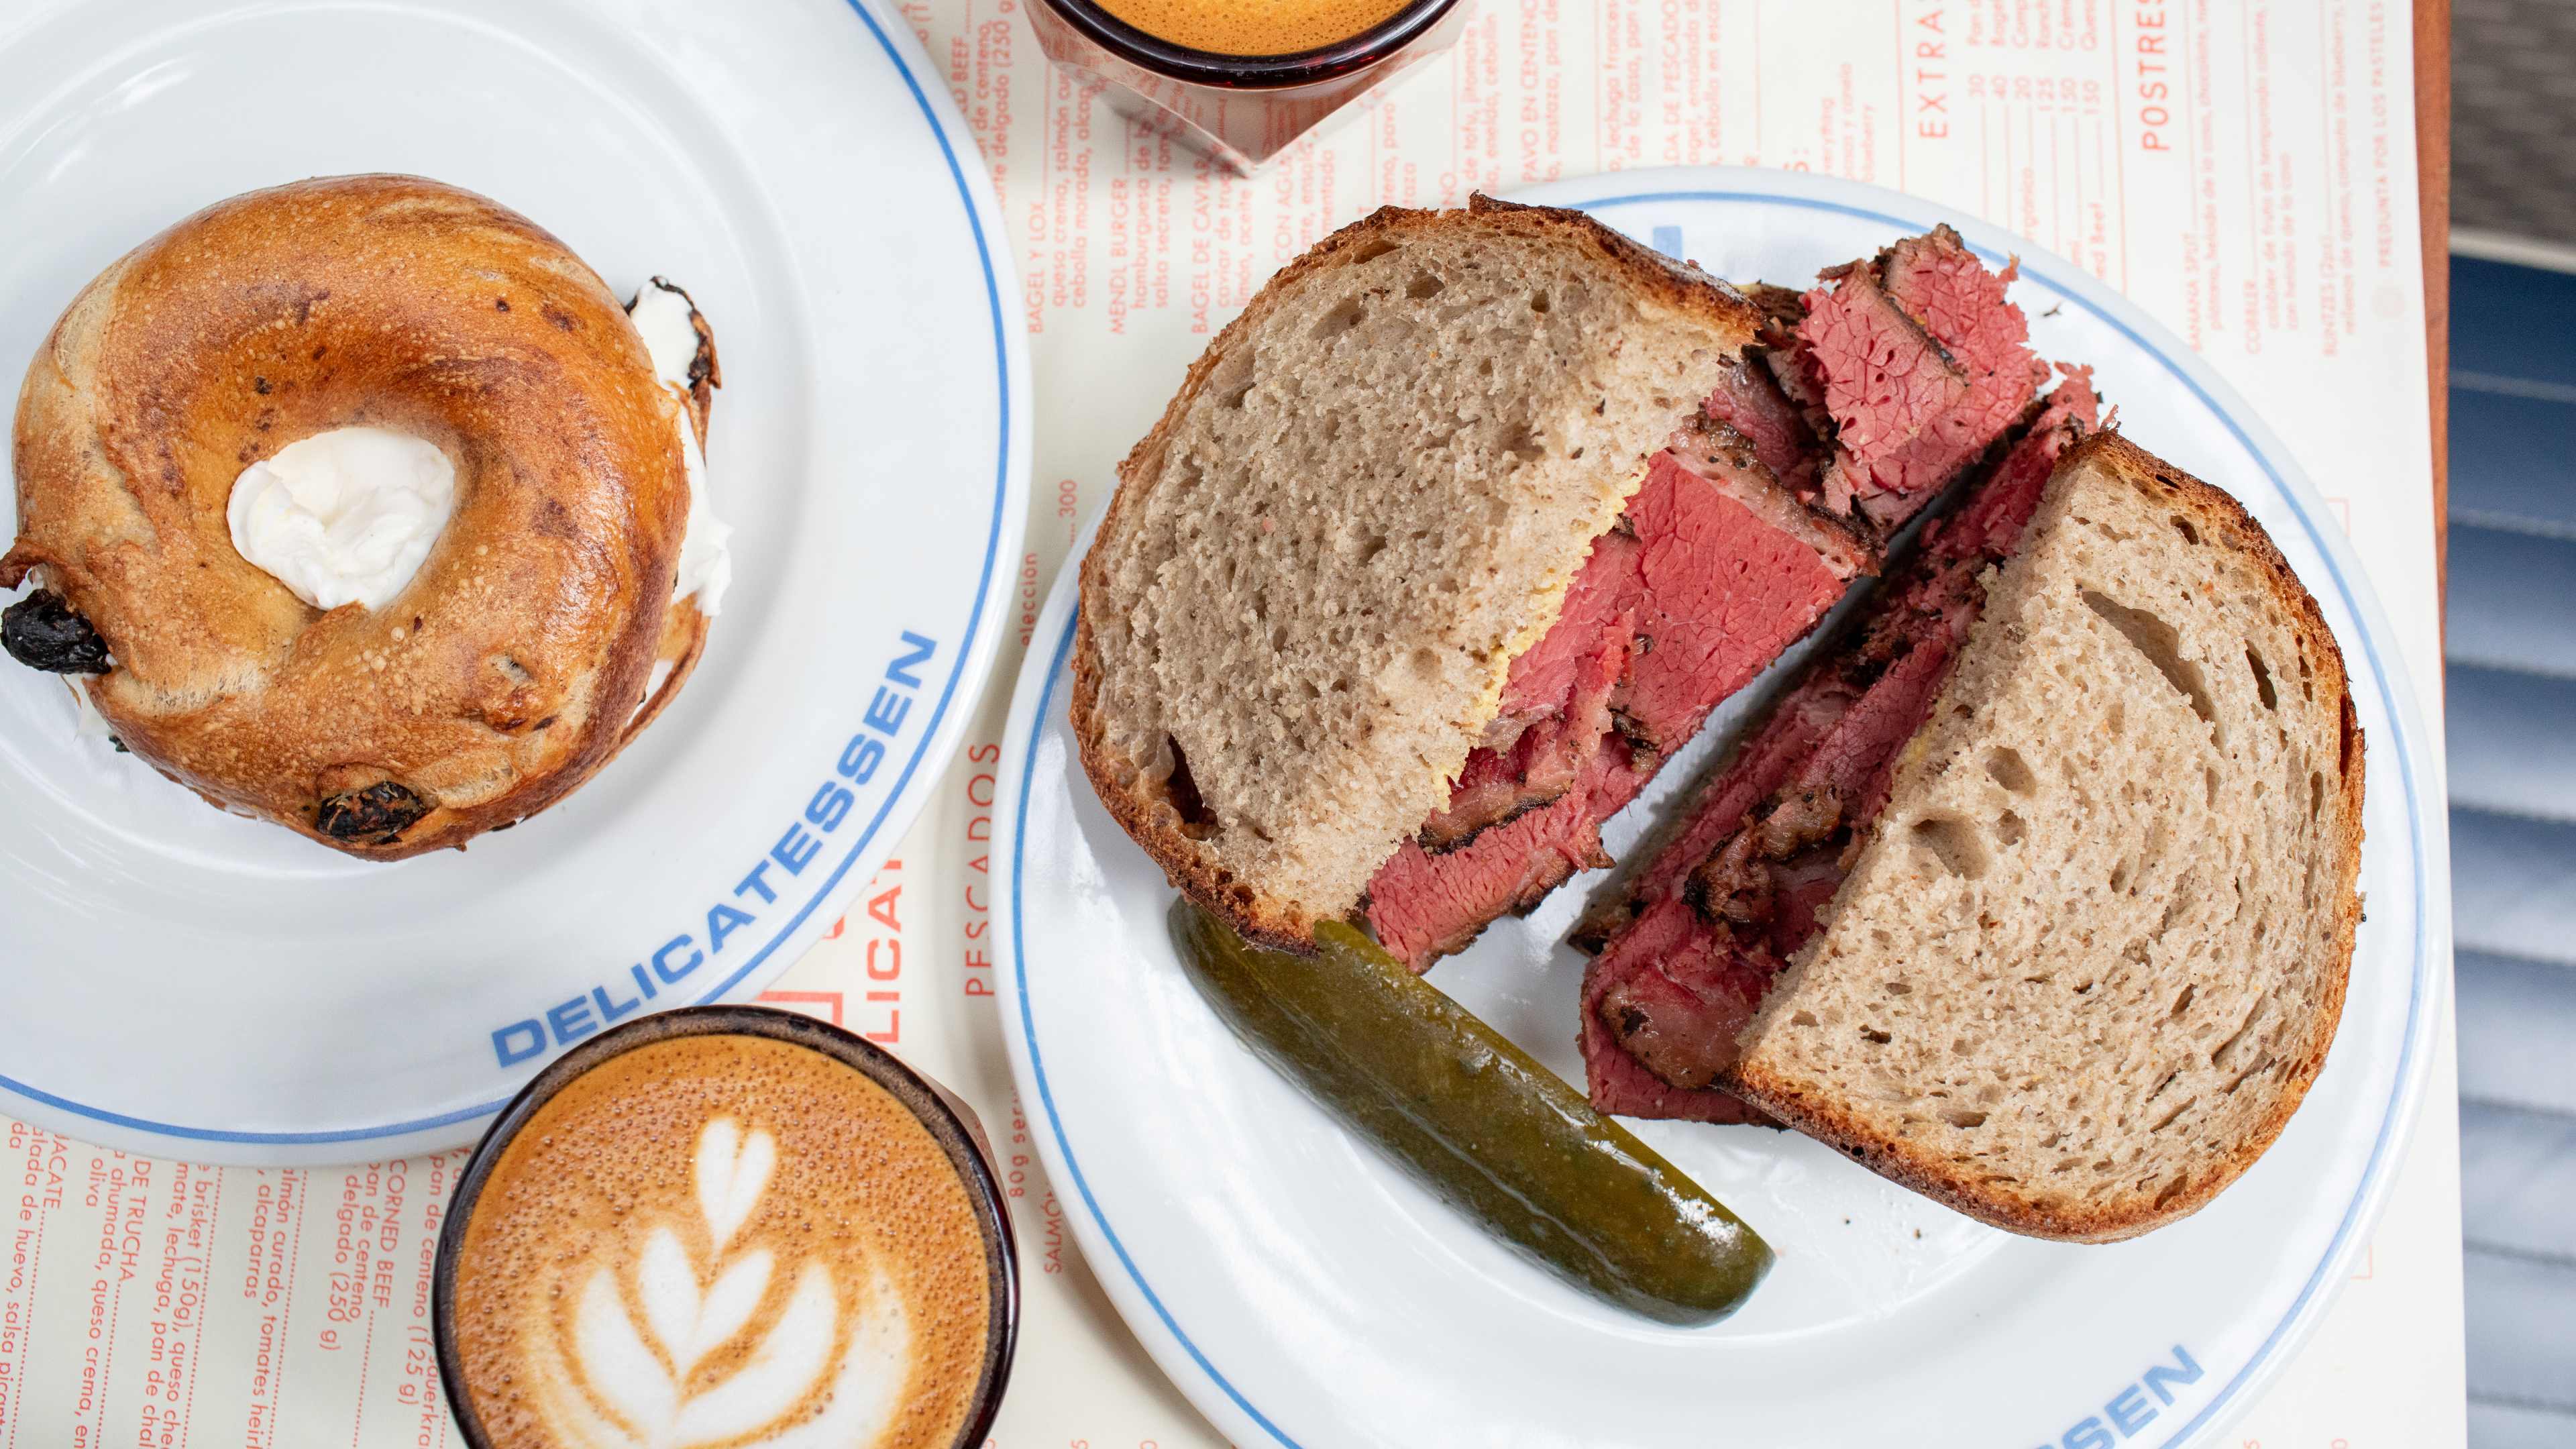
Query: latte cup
[(727, 1224)]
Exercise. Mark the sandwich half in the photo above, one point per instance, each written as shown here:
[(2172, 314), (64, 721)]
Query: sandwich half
[(2037, 892), (1464, 527)]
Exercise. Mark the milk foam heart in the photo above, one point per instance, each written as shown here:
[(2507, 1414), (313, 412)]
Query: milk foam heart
[(722, 1240), (638, 1364)]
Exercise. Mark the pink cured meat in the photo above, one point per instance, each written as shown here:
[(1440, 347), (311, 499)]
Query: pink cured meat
[(1868, 396), (1683, 962), (1617, 1082), (1750, 400), (1885, 380), (1422, 906), (1551, 754), (1901, 432), (1721, 594), (1541, 679), (1715, 593), (1686, 986)]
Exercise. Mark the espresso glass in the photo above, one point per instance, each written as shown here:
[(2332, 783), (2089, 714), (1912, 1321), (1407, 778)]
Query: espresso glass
[(950, 1122), (1240, 109)]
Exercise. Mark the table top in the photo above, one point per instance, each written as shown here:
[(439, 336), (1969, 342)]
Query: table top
[(1130, 252)]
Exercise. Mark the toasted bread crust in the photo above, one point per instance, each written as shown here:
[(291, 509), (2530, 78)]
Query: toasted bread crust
[(2221, 518), (1151, 821)]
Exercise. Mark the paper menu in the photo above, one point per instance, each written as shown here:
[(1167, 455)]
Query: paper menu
[(2245, 171)]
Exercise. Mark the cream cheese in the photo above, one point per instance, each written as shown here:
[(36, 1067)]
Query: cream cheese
[(344, 516), (661, 316)]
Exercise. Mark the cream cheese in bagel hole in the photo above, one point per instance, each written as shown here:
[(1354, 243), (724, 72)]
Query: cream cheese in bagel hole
[(349, 515), (344, 516), (661, 314)]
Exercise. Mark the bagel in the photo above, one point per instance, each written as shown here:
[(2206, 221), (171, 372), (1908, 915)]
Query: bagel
[(540, 632)]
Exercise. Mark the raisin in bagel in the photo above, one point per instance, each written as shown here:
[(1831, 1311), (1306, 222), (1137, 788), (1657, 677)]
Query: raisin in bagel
[(518, 657)]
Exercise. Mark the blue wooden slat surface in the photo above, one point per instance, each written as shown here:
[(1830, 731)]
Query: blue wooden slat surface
[(2511, 708), (2499, 1426), (2510, 320), (2519, 1350), (2513, 884), (2512, 598), (2520, 444), (2523, 1163), (2513, 741)]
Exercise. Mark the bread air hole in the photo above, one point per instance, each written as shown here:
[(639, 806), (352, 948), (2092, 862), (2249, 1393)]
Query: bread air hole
[(2262, 679), (2162, 646), (1233, 379), (1953, 843), (1424, 286), (1198, 822), (2183, 526), (1539, 303), (2008, 769), (2219, 1054), (1371, 251), (1346, 314), (2009, 829)]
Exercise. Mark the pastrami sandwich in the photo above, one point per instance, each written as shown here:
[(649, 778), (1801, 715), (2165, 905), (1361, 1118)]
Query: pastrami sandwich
[(2035, 892), (1465, 526)]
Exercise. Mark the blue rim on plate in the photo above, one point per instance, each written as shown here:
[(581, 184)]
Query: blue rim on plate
[(2387, 674), (903, 56)]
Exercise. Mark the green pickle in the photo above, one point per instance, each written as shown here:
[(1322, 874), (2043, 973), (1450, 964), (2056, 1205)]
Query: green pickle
[(1476, 1120)]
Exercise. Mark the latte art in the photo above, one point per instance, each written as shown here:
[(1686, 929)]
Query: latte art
[(786, 1391), (728, 1241)]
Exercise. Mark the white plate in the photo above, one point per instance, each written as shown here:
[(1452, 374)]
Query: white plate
[(1302, 1292), (181, 982)]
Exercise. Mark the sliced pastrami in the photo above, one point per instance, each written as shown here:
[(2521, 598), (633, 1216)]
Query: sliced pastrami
[(1709, 593), (1545, 753), (1750, 404), (1722, 590), (1862, 400), (1883, 377), (1424, 905), (1918, 364), (1685, 957)]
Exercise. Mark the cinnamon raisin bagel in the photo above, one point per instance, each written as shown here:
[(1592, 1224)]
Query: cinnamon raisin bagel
[(378, 317)]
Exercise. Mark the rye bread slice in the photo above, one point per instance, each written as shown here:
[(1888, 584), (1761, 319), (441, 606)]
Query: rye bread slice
[(2095, 949), (1368, 496)]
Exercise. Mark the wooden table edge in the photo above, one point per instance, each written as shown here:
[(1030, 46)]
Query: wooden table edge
[(2433, 192)]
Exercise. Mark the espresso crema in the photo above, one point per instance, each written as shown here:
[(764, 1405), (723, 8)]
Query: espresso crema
[(1253, 27), (722, 1240)]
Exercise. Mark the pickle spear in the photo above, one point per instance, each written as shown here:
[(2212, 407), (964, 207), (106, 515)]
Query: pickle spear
[(1473, 1118)]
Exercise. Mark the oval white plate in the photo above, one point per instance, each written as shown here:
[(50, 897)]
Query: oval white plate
[(186, 983), (1303, 1292)]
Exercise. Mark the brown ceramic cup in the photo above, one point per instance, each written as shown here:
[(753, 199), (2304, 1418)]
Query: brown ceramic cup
[(971, 1381)]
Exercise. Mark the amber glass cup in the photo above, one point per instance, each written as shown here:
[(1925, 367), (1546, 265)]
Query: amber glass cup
[(1240, 109)]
